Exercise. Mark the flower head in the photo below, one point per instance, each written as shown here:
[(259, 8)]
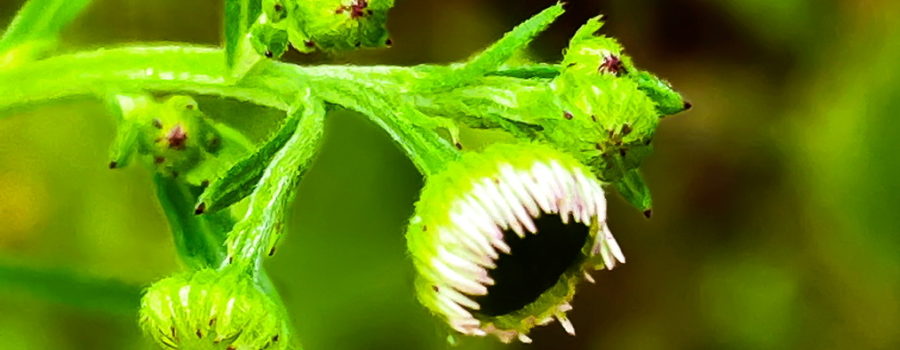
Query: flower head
[(501, 238), (338, 25), (211, 309)]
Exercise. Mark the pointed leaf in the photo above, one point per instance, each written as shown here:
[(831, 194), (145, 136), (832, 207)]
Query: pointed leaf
[(257, 234), (240, 180), (633, 188)]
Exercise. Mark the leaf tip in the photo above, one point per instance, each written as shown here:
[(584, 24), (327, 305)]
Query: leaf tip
[(201, 208)]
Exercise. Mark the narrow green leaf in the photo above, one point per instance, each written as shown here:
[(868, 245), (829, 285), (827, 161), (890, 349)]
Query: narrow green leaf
[(198, 239), (666, 99), (239, 16), (241, 179), (501, 51), (35, 28), (633, 188), (257, 234), (70, 288)]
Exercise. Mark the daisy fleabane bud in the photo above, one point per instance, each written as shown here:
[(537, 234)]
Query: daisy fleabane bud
[(501, 238), (213, 309)]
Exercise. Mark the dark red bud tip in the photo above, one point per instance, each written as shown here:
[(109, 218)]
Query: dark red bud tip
[(113, 165), (687, 105), (200, 209), (648, 213)]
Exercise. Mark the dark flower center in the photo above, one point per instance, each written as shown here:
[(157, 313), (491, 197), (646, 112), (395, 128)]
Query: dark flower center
[(534, 265)]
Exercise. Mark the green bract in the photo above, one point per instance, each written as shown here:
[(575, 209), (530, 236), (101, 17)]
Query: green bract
[(213, 309), (501, 238)]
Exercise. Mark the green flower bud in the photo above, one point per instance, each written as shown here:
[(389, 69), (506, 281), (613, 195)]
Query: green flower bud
[(179, 136), (336, 25), (605, 122), (501, 238), (210, 309), (590, 53), (609, 111)]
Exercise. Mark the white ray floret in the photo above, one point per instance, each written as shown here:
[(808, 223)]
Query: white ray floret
[(516, 183), (566, 324)]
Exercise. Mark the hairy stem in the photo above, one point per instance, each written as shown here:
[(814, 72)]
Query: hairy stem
[(202, 71)]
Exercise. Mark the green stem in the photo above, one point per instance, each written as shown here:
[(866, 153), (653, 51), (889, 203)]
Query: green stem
[(378, 92), (172, 69), (198, 239), (202, 71)]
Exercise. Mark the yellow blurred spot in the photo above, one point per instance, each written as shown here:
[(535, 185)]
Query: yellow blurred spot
[(21, 208)]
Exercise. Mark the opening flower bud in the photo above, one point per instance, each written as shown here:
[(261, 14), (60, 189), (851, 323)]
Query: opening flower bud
[(213, 309), (501, 238), (338, 25)]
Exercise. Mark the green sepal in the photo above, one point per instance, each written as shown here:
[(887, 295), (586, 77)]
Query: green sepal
[(634, 190), (241, 178)]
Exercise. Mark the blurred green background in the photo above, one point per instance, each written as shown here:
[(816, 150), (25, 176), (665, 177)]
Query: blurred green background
[(774, 225)]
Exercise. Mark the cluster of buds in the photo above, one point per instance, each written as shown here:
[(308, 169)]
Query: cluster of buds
[(213, 309), (328, 25), (595, 105), (501, 238), (613, 106), (175, 136)]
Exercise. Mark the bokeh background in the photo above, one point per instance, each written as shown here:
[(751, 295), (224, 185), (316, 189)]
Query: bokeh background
[(776, 198)]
